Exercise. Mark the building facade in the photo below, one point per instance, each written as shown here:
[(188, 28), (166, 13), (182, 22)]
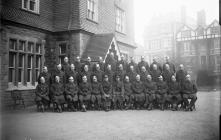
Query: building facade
[(199, 51), (42, 32)]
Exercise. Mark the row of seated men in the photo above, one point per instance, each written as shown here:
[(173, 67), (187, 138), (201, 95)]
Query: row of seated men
[(97, 89)]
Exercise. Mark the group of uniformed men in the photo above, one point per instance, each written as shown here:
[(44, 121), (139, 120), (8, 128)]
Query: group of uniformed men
[(112, 85)]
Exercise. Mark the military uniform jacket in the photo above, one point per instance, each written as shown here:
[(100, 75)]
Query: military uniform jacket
[(106, 88), (118, 88), (189, 88), (110, 75), (132, 75), (47, 77), (84, 89), (162, 87), (167, 76), (101, 64), (98, 74), (88, 74), (57, 89), (155, 74), (96, 88), (120, 73), (61, 74), (143, 76), (180, 76), (159, 67), (138, 87), (150, 87), (124, 63), (78, 66), (74, 74), (145, 64), (111, 61), (135, 66), (172, 67), (71, 89), (174, 88), (42, 90), (66, 68), (128, 88)]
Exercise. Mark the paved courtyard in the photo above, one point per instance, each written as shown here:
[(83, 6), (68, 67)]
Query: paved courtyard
[(202, 124)]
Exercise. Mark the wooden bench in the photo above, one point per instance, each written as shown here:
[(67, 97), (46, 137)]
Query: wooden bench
[(17, 98)]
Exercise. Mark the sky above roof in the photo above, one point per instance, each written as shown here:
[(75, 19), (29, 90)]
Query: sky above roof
[(145, 10)]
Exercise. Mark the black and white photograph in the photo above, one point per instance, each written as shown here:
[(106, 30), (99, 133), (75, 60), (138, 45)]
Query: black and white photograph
[(110, 70)]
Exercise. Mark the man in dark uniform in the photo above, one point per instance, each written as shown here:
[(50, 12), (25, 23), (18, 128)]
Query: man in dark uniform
[(57, 91), (128, 93), (132, 73), (123, 62), (84, 93), (98, 73), (66, 66), (72, 73), (161, 92), (60, 73), (111, 60), (189, 91), (46, 76), (120, 72), (85, 72), (159, 67), (172, 66), (95, 93), (143, 74), (133, 63), (107, 92), (101, 63), (109, 73), (143, 63), (71, 94), (138, 91), (181, 75), (78, 65), (167, 74), (150, 92), (89, 64), (42, 92), (155, 73), (118, 93), (174, 96)]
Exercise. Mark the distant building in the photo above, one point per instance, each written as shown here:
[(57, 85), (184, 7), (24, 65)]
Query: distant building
[(199, 50), (42, 32)]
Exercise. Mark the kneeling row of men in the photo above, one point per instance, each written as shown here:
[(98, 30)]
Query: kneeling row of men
[(119, 95)]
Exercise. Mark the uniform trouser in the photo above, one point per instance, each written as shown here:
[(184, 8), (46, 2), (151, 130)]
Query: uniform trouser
[(96, 99), (161, 98), (42, 100), (59, 99), (139, 99), (84, 99), (118, 99), (174, 99), (149, 98), (107, 101), (71, 99), (129, 100), (193, 98)]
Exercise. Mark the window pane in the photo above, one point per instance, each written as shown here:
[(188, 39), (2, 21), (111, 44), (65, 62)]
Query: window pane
[(11, 75), (38, 48), (30, 46), (36, 74), (25, 3), (12, 44), (21, 46), (38, 62), (20, 75), (29, 61), (62, 48), (29, 75), (21, 60), (11, 59), (32, 5), (61, 59)]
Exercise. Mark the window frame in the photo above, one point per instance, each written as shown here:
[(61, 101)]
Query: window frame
[(27, 8), (92, 10), (120, 17)]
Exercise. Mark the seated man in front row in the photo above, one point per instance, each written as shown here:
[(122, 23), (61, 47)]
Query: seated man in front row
[(174, 93), (106, 92), (42, 98), (71, 94), (161, 92), (189, 91)]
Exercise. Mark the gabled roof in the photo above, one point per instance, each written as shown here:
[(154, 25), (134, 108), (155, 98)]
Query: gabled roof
[(98, 45), (214, 22)]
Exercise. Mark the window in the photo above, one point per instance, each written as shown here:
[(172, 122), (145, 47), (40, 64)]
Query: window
[(214, 30), (120, 20), (92, 10), (25, 59), (216, 43), (62, 52), (31, 5), (212, 62)]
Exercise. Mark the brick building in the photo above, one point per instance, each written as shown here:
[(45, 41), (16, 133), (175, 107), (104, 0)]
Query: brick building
[(199, 50), (41, 32)]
